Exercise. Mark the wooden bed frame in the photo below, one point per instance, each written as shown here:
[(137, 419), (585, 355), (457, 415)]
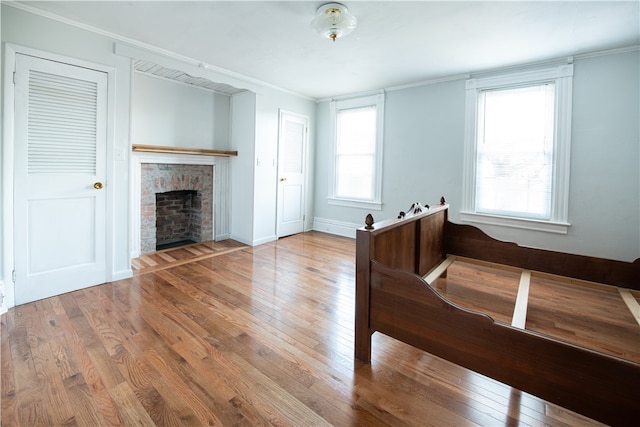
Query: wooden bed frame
[(396, 260)]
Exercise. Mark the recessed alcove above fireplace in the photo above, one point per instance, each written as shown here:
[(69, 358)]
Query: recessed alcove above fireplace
[(162, 172)]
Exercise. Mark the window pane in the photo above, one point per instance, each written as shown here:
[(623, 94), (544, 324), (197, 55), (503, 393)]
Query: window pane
[(515, 152), (356, 131), (355, 153), (355, 176)]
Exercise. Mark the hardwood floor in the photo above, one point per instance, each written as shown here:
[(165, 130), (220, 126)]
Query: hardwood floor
[(223, 334)]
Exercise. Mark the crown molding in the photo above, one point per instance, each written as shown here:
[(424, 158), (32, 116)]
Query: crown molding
[(253, 81), (429, 82), (149, 47), (616, 51)]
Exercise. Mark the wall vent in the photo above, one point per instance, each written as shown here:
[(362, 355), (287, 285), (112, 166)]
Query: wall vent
[(148, 67)]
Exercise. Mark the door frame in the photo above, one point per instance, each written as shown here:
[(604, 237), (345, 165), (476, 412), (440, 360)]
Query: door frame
[(7, 284)]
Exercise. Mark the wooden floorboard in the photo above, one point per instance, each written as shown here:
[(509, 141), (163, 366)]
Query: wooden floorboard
[(224, 334)]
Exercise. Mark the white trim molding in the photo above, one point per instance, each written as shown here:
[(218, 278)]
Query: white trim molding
[(354, 203), (372, 101), (8, 159), (339, 228), (562, 76), (526, 224), (3, 298)]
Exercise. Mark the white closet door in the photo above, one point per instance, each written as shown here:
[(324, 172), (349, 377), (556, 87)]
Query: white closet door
[(60, 200), (291, 171)]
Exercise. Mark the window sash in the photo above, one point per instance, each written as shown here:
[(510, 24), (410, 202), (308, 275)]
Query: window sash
[(355, 185), (514, 163), (355, 153), (356, 165), (557, 221)]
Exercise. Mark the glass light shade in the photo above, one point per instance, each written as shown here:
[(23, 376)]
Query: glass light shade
[(333, 21)]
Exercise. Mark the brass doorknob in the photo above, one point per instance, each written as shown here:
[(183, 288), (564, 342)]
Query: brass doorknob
[(283, 179), (97, 185)]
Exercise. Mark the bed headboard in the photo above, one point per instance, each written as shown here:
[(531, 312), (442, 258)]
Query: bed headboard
[(413, 242), (417, 242)]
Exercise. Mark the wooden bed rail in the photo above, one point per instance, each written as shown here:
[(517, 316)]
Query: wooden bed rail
[(471, 242), (599, 386)]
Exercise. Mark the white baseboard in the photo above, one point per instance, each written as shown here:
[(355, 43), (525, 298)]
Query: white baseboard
[(122, 274), (8, 293), (340, 228), (3, 306), (242, 240), (264, 240)]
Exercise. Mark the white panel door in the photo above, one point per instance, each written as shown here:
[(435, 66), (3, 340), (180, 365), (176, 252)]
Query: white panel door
[(291, 173), (60, 202)]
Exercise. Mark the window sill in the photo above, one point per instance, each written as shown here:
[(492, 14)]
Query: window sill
[(377, 206), (526, 224)]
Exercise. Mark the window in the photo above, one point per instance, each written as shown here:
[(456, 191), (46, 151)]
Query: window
[(357, 159), (517, 141)]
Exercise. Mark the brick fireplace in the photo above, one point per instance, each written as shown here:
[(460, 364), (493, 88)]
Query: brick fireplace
[(178, 218), (153, 172), (168, 185)]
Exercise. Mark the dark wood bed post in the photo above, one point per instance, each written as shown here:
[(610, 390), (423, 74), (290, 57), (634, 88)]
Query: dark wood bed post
[(363, 273), (445, 250)]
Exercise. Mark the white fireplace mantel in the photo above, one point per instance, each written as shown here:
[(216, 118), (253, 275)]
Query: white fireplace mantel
[(221, 193)]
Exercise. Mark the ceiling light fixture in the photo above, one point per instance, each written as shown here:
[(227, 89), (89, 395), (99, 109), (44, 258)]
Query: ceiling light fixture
[(333, 21)]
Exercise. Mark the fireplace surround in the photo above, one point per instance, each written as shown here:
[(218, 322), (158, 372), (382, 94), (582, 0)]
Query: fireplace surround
[(162, 172), (162, 178)]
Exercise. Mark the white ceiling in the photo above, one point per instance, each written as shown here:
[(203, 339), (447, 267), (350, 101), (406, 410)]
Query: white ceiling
[(395, 43)]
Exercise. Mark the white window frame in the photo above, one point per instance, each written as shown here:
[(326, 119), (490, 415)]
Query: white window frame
[(335, 106), (562, 76)]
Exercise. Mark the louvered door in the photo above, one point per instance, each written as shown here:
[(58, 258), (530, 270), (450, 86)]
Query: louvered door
[(60, 198), (291, 171)]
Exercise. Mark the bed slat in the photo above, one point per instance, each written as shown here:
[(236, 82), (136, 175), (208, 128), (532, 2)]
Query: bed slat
[(440, 268), (522, 301), (631, 302)]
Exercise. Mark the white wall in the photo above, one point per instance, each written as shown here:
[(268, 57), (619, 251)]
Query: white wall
[(604, 205), (243, 113), (175, 114), (254, 133), (423, 145), (266, 169), (268, 107)]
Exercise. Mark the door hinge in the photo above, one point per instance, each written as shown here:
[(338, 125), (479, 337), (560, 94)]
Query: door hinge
[(14, 77), (13, 276)]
